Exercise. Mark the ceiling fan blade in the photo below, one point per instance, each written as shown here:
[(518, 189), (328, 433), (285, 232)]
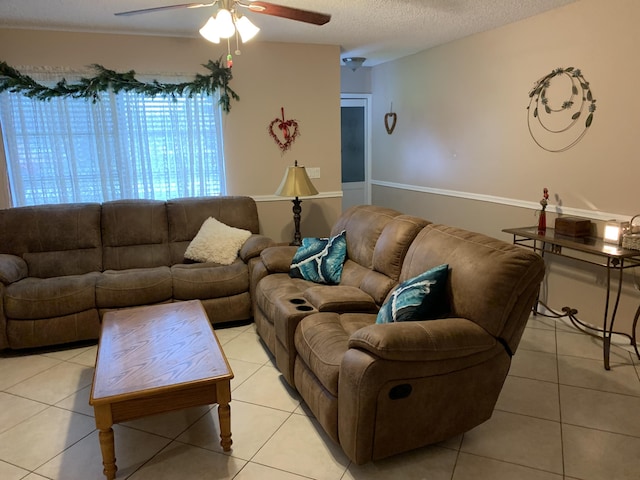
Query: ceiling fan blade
[(167, 7), (291, 13)]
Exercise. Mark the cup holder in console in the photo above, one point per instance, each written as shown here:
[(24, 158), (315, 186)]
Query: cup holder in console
[(304, 308), (297, 301)]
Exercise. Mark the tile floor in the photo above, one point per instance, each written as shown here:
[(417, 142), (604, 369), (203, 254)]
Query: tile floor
[(560, 416)]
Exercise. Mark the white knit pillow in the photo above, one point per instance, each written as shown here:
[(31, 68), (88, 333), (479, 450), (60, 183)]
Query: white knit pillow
[(216, 242)]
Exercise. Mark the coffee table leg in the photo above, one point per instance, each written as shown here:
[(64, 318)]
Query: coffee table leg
[(223, 392), (108, 453), (107, 445)]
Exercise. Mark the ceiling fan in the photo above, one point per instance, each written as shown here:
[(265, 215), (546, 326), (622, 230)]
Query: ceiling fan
[(266, 8), (229, 22)]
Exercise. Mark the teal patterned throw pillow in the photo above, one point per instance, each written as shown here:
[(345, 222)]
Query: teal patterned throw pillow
[(320, 260), (421, 298)]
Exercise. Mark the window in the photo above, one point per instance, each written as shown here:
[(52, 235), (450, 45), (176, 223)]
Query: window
[(123, 146)]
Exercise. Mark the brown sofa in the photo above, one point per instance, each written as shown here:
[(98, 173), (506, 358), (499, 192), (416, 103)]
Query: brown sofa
[(382, 389), (63, 266)]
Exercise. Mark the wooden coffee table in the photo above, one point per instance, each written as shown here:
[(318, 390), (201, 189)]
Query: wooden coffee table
[(157, 359)]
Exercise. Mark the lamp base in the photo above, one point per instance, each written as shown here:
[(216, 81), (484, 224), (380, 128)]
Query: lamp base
[(297, 209)]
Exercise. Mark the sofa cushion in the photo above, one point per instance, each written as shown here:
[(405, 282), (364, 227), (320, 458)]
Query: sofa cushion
[(136, 286), (186, 216), (423, 297), (54, 240), (320, 260), (36, 298), (135, 234), (216, 242), (207, 280)]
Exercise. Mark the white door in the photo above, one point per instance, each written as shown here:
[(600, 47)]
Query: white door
[(356, 149)]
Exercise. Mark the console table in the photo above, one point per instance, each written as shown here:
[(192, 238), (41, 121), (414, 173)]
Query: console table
[(613, 258)]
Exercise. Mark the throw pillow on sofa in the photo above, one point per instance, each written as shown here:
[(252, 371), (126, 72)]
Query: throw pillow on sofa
[(423, 297), (320, 260), (216, 242)]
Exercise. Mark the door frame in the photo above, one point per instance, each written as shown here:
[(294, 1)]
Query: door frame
[(367, 100)]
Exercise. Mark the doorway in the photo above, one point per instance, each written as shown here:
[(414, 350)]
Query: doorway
[(355, 114)]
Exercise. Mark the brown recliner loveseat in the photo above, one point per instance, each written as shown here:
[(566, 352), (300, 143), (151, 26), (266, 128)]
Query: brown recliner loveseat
[(63, 266), (382, 389)]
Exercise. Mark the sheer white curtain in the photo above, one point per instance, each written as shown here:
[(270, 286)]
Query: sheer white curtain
[(123, 146)]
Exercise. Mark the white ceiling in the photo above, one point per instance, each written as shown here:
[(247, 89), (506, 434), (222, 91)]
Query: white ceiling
[(380, 30)]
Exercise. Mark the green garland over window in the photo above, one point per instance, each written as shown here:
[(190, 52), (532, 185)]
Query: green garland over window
[(105, 79)]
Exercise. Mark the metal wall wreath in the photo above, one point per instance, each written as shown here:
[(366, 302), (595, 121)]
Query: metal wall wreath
[(548, 115)]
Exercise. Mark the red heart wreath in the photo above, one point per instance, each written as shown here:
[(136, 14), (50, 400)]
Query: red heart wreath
[(288, 129)]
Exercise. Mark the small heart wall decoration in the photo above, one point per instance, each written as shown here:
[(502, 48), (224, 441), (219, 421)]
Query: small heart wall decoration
[(284, 132), (390, 120)]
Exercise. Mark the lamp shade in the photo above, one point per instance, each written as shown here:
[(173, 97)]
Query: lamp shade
[(246, 29), (210, 31), (224, 22), (296, 183)]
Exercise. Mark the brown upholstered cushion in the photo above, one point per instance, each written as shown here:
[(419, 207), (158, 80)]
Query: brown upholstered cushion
[(129, 288), (12, 268), (35, 298), (185, 216), (135, 234), (54, 239), (209, 280)]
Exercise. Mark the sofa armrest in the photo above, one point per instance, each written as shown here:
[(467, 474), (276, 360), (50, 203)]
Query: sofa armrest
[(254, 245), (12, 268), (340, 299), (278, 259), (423, 340)]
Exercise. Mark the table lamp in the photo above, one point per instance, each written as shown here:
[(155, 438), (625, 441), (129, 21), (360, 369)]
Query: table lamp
[(296, 183)]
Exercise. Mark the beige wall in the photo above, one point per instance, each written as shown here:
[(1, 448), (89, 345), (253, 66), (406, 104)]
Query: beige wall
[(462, 134), (304, 79)]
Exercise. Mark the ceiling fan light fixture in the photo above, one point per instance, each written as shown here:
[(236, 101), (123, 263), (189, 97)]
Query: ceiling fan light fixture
[(353, 63), (224, 22), (246, 29), (210, 31)]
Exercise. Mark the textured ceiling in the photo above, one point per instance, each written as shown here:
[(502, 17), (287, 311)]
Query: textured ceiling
[(380, 30)]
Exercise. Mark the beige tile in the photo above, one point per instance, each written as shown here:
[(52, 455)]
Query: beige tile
[(186, 462), (241, 371), (66, 352), (534, 365), (251, 426), (267, 387), (587, 373), (35, 476), (87, 357), (248, 347), (587, 346), (254, 471), (439, 462), (18, 368), (78, 402), (14, 410), (530, 397), (601, 410), (170, 424), (225, 335), (55, 384), (595, 455), (472, 467), (541, 322), (519, 439), (11, 472), (539, 340), (43, 436), (300, 446), (83, 460)]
